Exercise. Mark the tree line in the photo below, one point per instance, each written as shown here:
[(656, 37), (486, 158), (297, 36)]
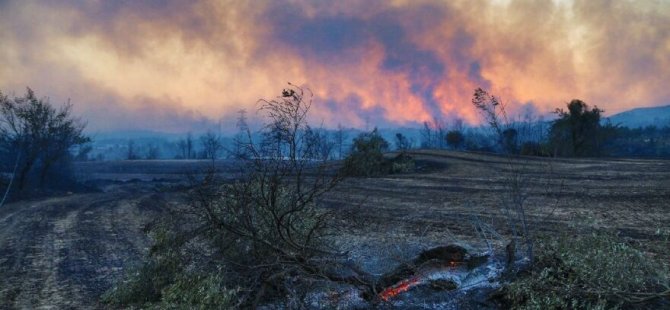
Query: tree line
[(578, 130), (38, 141)]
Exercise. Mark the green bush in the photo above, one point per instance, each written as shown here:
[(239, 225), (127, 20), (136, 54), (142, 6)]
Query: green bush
[(367, 157), (143, 284), (163, 281), (198, 292), (587, 272), (262, 235)]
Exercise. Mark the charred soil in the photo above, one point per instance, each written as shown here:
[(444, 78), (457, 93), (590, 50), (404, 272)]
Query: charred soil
[(65, 251)]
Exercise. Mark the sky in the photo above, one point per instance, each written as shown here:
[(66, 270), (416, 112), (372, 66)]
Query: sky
[(174, 66)]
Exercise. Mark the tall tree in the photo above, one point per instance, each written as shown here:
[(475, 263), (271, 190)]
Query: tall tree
[(576, 131), (243, 136), (189, 146), (131, 153)]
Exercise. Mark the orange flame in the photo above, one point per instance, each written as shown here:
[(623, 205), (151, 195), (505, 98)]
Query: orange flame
[(402, 286)]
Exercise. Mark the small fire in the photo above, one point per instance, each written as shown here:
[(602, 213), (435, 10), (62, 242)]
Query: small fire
[(403, 286)]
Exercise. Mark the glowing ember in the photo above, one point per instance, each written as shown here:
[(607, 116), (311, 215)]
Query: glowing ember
[(403, 286)]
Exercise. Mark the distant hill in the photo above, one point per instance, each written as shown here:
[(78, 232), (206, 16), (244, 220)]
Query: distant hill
[(642, 117)]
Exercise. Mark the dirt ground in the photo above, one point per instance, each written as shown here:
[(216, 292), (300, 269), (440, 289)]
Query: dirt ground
[(64, 252), (398, 215)]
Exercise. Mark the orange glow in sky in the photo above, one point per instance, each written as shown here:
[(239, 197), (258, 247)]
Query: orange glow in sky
[(173, 65)]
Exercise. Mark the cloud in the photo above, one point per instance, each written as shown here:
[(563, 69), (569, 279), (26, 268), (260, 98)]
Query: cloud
[(174, 65)]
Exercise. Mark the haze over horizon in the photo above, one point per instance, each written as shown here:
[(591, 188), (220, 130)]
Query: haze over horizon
[(171, 65)]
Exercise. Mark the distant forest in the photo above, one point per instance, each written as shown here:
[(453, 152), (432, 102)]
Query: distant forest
[(526, 136)]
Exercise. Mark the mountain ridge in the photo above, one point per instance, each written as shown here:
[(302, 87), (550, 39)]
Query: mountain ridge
[(643, 117)]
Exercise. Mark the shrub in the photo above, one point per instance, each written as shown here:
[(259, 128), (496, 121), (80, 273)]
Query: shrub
[(534, 149), (262, 234), (167, 281), (144, 284), (38, 137), (367, 155), (198, 292), (588, 272), (402, 163)]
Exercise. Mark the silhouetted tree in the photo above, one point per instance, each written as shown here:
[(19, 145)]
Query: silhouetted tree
[(493, 111), (318, 144), (83, 152), (186, 147), (510, 141), (38, 135), (514, 198), (131, 152), (189, 146), (427, 136), (440, 133), (242, 138), (576, 131), (455, 139), (268, 225), (367, 155), (211, 145), (402, 143), (340, 136), (153, 152)]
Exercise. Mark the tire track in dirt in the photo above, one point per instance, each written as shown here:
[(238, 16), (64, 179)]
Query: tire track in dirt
[(63, 253)]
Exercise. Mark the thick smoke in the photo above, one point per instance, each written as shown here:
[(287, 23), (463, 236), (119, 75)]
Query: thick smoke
[(180, 65)]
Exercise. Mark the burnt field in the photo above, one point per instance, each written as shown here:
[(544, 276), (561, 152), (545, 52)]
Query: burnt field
[(65, 251), (452, 190)]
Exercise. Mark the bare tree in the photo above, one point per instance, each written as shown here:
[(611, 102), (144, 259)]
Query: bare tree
[(516, 193), (131, 151), (322, 144), (440, 133), (189, 146), (242, 139), (340, 136), (427, 136), (186, 147), (153, 152), (403, 143), (211, 145), (181, 145)]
